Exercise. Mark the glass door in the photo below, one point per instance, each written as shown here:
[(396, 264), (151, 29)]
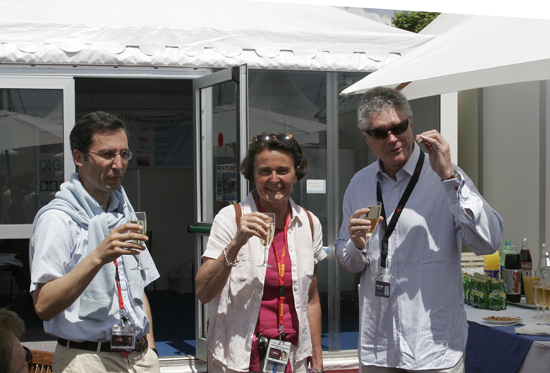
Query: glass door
[(36, 114), (221, 133)]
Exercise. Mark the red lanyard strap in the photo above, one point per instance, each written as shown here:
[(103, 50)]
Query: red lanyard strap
[(119, 290), (281, 264)]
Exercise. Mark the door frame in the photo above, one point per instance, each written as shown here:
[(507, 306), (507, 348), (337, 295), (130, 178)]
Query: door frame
[(202, 98)]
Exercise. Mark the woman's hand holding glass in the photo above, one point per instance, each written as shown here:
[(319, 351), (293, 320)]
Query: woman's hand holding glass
[(261, 225)]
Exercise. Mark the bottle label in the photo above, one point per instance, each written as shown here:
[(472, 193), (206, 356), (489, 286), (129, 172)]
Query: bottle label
[(493, 274), (526, 266), (496, 295), (513, 281)]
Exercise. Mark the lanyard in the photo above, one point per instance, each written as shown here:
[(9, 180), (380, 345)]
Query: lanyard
[(281, 264), (123, 318), (388, 229)]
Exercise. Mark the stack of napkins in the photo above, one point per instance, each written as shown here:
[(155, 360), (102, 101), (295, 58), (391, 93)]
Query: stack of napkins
[(534, 330)]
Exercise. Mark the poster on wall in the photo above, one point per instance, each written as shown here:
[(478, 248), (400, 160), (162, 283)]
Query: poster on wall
[(160, 142), (226, 183)]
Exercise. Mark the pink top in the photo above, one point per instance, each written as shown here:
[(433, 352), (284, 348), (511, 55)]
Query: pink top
[(268, 320)]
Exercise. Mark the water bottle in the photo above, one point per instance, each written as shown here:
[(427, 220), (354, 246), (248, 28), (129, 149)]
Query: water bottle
[(544, 263)]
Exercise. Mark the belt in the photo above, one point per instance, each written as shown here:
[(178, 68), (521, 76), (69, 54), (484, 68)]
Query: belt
[(140, 346)]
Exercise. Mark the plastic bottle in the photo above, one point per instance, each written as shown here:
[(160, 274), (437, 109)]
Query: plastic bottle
[(526, 262), (502, 294), (512, 266), (544, 263), (491, 264), (507, 248)]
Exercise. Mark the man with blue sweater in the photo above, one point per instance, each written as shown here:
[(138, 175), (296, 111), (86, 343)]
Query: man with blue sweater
[(82, 257)]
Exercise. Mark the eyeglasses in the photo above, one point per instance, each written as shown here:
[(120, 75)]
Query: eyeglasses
[(110, 155), (264, 138), (28, 359), (380, 134)]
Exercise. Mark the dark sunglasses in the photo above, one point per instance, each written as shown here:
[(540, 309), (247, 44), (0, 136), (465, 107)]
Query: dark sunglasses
[(398, 129), (264, 138), (28, 359)]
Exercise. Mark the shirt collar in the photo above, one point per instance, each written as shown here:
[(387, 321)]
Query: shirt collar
[(113, 203), (408, 168)]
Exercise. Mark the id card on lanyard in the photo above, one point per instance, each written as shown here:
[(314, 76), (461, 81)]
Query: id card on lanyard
[(383, 288), (123, 337)]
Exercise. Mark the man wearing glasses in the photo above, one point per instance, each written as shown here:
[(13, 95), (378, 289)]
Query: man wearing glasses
[(14, 357), (412, 316), (83, 253)]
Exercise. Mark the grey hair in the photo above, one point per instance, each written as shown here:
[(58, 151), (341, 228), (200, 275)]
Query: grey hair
[(381, 99)]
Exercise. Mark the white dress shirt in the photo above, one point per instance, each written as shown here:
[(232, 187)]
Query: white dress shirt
[(57, 245), (234, 313), (423, 324)]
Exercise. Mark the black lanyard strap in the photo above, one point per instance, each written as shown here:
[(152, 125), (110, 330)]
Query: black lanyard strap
[(388, 229)]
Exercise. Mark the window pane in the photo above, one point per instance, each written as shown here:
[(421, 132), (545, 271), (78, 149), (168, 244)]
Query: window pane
[(353, 157), (31, 151)]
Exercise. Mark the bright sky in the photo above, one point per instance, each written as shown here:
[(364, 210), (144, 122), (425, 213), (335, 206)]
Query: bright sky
[(379, 15)]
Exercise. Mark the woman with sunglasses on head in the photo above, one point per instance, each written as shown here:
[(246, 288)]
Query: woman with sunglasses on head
[(257, 308)]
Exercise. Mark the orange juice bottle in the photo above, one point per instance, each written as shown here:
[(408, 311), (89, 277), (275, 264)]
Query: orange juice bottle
[(491, 264)]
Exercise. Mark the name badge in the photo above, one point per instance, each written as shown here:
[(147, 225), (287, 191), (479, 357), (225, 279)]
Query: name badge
[(277, 356), (382, 289)]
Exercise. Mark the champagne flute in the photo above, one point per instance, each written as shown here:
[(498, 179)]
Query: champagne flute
[(538, 299), (141, 219), (375, 208), (269, 238), (543, 301)]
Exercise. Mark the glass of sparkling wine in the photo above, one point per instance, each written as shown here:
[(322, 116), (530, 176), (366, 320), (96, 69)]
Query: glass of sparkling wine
[(141, 219), (538, 299), (269, 238), (375, 208)]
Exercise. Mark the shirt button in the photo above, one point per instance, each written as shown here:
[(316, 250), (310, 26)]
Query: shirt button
[(396, 322), (393, 277), (395, 188)]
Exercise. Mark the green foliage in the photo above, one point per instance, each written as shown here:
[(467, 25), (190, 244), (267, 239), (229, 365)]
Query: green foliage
[(413, 21)]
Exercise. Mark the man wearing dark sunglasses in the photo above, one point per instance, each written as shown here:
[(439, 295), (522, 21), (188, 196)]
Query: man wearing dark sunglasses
[(412, 314), (14, 358)]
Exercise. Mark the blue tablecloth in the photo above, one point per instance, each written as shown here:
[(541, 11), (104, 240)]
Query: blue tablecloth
[(496, 349)]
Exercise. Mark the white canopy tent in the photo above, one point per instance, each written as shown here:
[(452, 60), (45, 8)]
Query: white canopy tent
[(479, 52), (187, 33)]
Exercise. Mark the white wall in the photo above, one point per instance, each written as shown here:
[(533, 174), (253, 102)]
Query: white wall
[(511, 156)]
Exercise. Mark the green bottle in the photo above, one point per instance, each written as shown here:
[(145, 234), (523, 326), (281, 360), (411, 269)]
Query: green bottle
[(506, 249)]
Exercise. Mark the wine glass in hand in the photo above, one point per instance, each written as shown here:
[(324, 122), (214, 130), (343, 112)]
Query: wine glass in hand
[(375, 208), (269, 238), (141, 219)]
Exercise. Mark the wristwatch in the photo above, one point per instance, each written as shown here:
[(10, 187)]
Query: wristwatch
[(455, 174)]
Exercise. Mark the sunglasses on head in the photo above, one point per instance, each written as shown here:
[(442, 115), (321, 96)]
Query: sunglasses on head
[(398, 129), (264, 138), (28, 359)]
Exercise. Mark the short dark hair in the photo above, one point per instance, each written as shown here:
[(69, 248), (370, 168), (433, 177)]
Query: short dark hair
[(379, 99), (292, 146), (86, 127), (10, 322)]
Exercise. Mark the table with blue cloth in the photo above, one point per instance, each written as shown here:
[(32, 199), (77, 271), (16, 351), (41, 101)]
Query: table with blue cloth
[(496, 348)]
